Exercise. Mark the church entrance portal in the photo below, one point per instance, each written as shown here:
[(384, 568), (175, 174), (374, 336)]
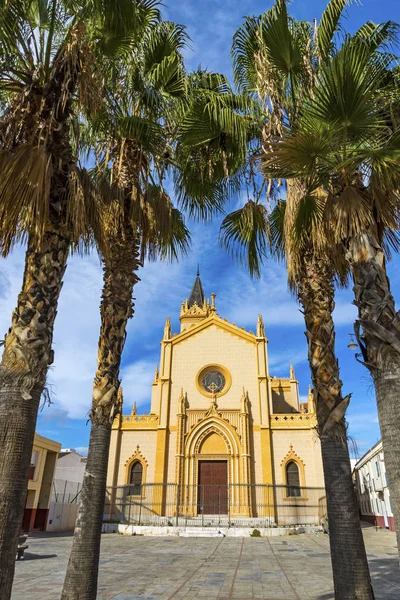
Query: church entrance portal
[(212, 493)]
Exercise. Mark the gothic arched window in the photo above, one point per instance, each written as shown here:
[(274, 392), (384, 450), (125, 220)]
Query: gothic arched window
[(292, 479), (135, 478)]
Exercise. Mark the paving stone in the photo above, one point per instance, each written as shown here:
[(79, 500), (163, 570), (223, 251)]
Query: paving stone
[(144, 568)]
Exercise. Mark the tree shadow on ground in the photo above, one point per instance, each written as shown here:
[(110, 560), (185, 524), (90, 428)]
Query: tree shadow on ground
[(37, 535), (30, 556), (385, 575)]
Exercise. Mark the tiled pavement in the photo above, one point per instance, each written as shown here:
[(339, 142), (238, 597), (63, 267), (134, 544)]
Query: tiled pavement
[(145, 568)]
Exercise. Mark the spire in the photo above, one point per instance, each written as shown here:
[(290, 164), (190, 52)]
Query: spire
[(120, 397), (197, 294), (182, 402), (213, 309), (167, 329), (292, 375), (311, 400), (260, 330), (244, 401)]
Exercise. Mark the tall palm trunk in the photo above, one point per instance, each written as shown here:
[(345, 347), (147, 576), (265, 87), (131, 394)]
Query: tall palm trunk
[(120, 276), (349, 560), (28, 344), (27, 355), (378, 333)]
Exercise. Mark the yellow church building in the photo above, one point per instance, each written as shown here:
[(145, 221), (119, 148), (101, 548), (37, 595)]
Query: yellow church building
[(223, 433)]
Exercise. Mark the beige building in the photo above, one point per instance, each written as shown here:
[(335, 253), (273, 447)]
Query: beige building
[(221, 428), (41, 476)]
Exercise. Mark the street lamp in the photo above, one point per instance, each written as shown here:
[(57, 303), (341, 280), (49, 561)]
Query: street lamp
[(352, 344)]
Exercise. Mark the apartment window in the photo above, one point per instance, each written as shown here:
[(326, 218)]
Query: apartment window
[(377, 505), (390, 504), (378, 470)]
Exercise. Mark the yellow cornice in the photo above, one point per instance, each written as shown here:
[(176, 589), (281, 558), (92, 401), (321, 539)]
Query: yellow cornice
[(281, 381), (137, 422), (293, 421), (221, 323)]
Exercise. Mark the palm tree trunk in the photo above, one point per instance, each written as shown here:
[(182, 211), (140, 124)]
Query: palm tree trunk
[(120, 276), (378, 334), (349, 560), (28, 344), (27, 355)]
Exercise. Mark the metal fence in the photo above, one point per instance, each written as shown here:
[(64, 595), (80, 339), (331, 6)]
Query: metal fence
[(66, 492), (63, 506), (234, 505)]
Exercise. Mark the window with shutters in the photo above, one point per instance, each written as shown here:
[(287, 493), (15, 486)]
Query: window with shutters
[(135, 479), (292, 480)]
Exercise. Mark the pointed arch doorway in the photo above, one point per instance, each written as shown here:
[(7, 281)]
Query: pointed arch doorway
[(212, 493)]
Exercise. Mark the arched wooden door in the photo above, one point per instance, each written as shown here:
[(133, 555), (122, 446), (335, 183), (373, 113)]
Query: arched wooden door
[(212, 492)]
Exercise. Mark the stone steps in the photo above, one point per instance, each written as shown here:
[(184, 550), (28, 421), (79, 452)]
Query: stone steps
[(202, 532)]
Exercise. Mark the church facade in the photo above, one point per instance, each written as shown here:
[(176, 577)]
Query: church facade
[(220, 424)]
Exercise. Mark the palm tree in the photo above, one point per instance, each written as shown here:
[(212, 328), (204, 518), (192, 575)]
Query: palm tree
[(350, 150), (279, 59), (134, 141), (47, 53)]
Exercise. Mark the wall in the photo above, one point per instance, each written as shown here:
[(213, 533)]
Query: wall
[(62, 516), (70, 467), (214, 345), (129, 440), (307, 447)]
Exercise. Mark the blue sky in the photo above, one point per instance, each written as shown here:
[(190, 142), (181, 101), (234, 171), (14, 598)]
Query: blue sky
[(162, 288)]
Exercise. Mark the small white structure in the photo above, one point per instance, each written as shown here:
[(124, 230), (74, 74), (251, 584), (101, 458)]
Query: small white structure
[(70, 466), (372, 488), (67, 485)]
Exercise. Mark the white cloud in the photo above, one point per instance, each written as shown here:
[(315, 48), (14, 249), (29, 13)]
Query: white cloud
[(82, 450), (136, 382), (75, 334), (279, 361), (361, 422), (344, 313)]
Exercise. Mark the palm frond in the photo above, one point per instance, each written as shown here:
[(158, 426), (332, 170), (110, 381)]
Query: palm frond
[(330, 23), (165, 39), (381, 36), (244, 235), (24, 194), (121, 24), (177, 243), (244, 51), (276, 229), (278, 43)]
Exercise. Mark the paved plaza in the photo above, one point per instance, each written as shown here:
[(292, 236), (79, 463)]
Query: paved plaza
[(160, 568)]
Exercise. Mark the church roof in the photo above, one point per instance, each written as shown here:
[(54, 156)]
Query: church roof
[(197, 293)]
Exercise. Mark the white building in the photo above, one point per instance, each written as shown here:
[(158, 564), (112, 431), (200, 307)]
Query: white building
[(70, 466), (372, 488), (67, 485)]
